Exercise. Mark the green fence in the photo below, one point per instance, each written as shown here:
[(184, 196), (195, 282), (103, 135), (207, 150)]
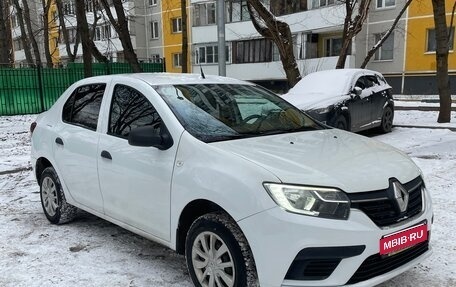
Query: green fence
[(34, 90)]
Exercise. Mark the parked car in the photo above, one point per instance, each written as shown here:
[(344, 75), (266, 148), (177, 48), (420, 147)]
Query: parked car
[(348, 99), (248, 187)]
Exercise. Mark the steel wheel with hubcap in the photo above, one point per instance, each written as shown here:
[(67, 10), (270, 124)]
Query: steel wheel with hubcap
[(218, 254), (55, 207)]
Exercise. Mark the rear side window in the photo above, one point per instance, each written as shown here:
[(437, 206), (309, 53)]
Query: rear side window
[(130, 109), (83, 106)]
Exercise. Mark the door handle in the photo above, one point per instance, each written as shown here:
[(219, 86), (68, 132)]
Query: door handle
[(59, 141), (106, 155)]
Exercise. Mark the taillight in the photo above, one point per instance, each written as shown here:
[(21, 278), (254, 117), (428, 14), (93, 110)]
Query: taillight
[(32, 127)]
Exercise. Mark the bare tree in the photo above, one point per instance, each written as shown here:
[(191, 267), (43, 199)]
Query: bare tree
[(31, 35), (47, 52), (121, 27), (184, 37), (441, 54), (385, 35), (279, 32), (83, 30), (66, 37), (353, 24), (93, 48), (24, 38), (6, 49)]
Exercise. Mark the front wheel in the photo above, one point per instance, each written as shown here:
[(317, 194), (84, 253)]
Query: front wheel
[(387, 120), (53, 201), (218, 254)]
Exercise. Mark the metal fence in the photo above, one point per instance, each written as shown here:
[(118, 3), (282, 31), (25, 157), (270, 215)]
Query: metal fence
[(34, 90)]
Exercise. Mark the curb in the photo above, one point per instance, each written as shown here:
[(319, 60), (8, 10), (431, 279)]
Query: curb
[(419, 108), (453, 129), (16, 170)]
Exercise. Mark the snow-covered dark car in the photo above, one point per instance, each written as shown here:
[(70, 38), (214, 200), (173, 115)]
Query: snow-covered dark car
[(348, 99)]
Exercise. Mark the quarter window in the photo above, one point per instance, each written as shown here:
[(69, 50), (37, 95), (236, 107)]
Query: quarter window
[(83, 106), (130, 109)]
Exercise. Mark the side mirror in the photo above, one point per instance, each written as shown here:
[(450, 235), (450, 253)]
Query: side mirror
[(147, 136), (356, 92)]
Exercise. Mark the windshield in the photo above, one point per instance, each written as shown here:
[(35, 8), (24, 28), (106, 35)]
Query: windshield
[(215, 112)]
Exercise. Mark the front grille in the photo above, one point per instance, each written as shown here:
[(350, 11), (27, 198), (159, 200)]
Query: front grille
[(376, 264), (381, 207)]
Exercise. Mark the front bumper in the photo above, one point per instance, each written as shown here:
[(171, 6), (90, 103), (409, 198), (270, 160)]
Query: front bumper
[(276, 237)]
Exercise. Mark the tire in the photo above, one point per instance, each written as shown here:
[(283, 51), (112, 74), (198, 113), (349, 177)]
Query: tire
[(216, 232), (53, 201), (341, 123), (387, 120)]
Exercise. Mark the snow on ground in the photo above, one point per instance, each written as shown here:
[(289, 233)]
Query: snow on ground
[(93, 252)]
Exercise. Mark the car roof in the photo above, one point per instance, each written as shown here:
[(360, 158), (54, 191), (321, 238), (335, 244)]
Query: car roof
[(348, 73), (172, 79)]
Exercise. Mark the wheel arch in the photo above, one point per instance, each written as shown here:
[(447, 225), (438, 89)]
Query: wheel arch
[(189, 214), (41, 164)]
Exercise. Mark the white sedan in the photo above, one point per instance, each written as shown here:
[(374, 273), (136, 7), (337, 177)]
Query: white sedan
[(249, 188)]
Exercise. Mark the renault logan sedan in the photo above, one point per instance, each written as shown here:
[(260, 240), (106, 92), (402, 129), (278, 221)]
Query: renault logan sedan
[(348, 99), (249, 188)]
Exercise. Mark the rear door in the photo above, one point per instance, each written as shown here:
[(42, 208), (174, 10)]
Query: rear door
[(76, 144), (135, 181)]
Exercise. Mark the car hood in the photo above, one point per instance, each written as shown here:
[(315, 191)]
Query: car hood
[(329, 157), (313, 101)]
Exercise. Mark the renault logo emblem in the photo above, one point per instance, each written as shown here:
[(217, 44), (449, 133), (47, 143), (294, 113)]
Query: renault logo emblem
[(401, 195)]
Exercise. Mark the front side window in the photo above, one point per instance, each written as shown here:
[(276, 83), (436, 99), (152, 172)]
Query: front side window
[(431, 41), (385, 51), (83, 106), (385, 3), (130, 109), (176, 24), (215, 112)]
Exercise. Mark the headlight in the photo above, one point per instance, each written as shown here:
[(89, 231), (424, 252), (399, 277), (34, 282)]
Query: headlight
[(323, 110), (313, 201)]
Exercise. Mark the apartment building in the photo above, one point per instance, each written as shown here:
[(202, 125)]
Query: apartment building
[(407, 58), (317, 36)]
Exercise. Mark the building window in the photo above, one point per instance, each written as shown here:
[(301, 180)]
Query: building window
[(209, 55), (236, 10), (153, 2), (386, 3), (156, 58), (322, 3), (333, 46), (204, 14), (385, 52), (176, 24), (102, 32), (177, 60), (68, 8), (283, 7), (253, 51), (154, 29), (14, 21), (17, 43), (431, 42)]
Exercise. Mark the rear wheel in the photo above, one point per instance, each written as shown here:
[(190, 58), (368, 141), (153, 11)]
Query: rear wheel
[(341, 123), (387, 120), (53, 201), (218, 254)]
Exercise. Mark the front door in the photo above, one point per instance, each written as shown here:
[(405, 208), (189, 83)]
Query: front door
[(135, 181)]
